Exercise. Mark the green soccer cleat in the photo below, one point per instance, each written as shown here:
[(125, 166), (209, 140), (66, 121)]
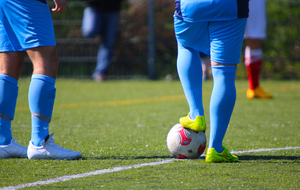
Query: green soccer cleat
[(198, 124), (225, 156)]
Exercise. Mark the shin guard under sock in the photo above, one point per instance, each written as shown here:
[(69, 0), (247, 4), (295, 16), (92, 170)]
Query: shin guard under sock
[(8, 100), (41, 100)]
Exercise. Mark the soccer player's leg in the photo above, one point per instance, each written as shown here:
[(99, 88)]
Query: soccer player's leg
[(41, 101), (253, 62), (226, 43), (42, 91), (190, 74), (43, 54), (10, 63), (221, 106), (110, 23)]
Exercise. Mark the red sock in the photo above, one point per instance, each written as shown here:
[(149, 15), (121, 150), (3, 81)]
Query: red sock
[(253, 62)]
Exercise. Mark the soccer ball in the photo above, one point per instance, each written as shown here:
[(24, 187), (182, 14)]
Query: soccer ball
[(185, 143)]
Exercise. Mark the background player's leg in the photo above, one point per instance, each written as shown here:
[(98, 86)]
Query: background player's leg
[(110, 23), (254, 34), (253, 62)]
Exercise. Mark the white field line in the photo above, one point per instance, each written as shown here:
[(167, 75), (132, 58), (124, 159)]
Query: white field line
[(116, 169), (264, 150), (97, 172)]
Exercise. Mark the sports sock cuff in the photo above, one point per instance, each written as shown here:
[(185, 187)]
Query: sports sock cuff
[(253, 52), (41, 95), (44, 78), (9, 79)]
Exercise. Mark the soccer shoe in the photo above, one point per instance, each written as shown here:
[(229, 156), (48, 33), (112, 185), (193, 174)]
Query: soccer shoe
[(258, 92), (51, 151), (197, 125), (13, 150), (225, 156)]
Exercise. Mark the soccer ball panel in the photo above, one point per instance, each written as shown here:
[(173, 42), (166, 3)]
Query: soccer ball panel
[(185, 143)]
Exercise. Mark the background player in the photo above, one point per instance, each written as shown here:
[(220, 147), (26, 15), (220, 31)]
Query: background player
[(26, 26), (101, 17), (254, 34)]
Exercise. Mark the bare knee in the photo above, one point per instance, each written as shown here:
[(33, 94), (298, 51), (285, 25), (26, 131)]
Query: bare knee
[(11, 63), (254, 43), (44, 60)]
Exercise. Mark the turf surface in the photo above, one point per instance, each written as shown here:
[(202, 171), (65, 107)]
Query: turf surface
[(123, 123)]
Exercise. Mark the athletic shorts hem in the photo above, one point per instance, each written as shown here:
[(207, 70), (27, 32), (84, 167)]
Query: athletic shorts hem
[(221, 61), (15, 49)]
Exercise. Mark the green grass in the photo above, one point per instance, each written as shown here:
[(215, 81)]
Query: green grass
[(121, 123)]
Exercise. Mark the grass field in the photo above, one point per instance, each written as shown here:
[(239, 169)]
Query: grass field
[(125, 123)]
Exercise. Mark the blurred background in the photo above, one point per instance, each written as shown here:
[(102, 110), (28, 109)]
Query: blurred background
[(146, 33)]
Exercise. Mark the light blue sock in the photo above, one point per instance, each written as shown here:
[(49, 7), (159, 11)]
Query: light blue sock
[(41, 100), (8, 99), (221, 103), (190, 73)]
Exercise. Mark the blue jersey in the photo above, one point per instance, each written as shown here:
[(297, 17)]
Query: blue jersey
[(211, 10)]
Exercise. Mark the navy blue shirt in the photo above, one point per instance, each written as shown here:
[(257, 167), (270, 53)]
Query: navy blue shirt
[(105, 5)]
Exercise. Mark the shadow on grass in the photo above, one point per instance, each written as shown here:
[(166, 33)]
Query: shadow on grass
[(243, 157), (251, 157), (116, 157)]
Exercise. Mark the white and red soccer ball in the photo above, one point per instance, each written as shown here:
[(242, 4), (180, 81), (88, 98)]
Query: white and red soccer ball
[(185, 143)]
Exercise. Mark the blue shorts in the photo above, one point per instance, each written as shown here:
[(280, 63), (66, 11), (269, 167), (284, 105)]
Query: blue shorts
[(222, 40), (25, 24), (210, 10)]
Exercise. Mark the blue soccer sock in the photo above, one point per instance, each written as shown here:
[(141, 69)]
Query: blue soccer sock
[(221, 103), (41, 100), (190, 73), (8, 99)]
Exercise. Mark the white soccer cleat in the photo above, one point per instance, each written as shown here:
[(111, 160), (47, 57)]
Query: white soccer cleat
[(51, 151), (13, 150)]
